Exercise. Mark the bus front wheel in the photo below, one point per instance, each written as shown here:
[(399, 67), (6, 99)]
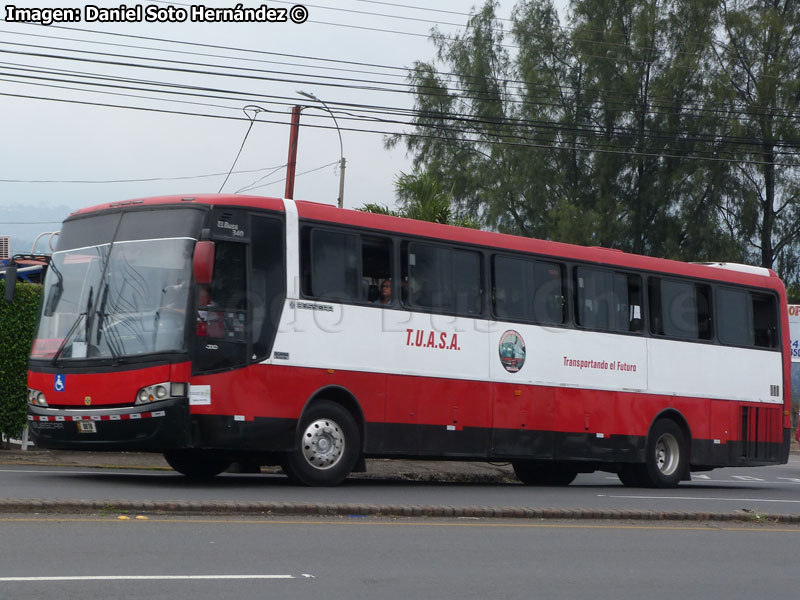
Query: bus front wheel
[(197, 464), (327, 446)]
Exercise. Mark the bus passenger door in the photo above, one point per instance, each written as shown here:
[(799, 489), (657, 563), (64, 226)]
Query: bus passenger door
[(220, 315), (220, 326)]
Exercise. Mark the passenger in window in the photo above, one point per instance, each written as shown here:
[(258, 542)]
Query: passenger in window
[(385, 296)]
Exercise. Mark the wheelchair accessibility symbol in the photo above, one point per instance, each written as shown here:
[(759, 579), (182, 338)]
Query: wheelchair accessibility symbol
[(61, 383)]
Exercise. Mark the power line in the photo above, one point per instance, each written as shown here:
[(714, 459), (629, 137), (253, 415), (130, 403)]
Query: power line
[(463, 117), (255, 110), (136, 180), (489, 142), (31, 223), (558, 128), (254, 187), (654, 107), (472, 119), (425, 8), (336, 81), (466, 117), (207, 55)]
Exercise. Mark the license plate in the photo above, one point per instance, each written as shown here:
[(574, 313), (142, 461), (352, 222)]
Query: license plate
[(87, 427)]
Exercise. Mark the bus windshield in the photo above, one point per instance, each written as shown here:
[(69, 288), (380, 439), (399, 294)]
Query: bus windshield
[(121, 298)]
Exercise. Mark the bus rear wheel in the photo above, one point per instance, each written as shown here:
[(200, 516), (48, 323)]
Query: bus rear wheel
[(532, 473), (327, 446), (665, 456), (197, 464)]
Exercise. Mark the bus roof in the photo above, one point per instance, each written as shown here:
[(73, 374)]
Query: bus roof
[(189, 199), (729, 272)]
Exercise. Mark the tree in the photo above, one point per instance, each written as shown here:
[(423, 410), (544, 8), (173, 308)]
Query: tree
[(608, 133), (421, 197), (646, 91), (758, 84)]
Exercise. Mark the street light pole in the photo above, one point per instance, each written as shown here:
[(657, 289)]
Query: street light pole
[(311, 96)]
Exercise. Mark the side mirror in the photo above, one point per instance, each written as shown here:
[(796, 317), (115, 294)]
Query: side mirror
[(53, 298), (203, 262), (11, 283)]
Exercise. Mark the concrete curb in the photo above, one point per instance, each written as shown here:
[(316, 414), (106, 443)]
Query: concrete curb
[(267, 509)]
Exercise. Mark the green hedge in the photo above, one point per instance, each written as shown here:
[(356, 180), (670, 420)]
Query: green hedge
[(17, 321)]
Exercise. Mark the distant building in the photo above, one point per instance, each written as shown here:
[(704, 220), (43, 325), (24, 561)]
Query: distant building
[(5, 247)]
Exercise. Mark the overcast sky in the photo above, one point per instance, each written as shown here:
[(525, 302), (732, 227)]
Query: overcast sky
[(337, 54)]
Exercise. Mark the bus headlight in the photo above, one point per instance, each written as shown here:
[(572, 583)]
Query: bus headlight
[(160, 391), (36, 398)]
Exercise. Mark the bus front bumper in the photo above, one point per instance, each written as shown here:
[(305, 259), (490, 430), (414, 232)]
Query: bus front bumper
[(155, 427)]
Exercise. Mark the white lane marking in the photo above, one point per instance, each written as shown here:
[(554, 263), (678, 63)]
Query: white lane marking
[(94, 471), (699, 498), (145, 577), (738, 479)]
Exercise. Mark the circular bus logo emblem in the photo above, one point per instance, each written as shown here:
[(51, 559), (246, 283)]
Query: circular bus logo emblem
[(512, 351)]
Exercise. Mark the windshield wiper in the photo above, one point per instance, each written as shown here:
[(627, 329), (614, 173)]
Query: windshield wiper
[(75, 326), (101, 319), (66, 337)]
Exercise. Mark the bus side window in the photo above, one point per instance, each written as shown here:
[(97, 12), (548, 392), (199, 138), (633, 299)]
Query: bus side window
[(746, 318), (509, 282), (527, 290), (629, 312), (548, 293), (443, 279), (376, 268), (705, 330), (467, 282), (654, 300), (335, 265), (680, 309), (608, 301), (765, 321), (735, 318), (344, 266)]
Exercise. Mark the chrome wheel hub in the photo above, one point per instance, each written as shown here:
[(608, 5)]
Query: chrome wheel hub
[(323, 444), (668, 454)]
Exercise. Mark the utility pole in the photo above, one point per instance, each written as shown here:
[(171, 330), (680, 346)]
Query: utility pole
[(291, 163)]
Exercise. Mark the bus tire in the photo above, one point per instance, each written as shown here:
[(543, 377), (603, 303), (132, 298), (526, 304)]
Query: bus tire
[(532, 473), (327, 446), (665, 456), (197, 464)]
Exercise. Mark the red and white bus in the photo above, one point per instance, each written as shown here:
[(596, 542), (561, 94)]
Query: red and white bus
[(220, 329)]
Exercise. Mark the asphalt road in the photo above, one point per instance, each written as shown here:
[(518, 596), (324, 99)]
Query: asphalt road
[(774, 490), (205, 558)]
